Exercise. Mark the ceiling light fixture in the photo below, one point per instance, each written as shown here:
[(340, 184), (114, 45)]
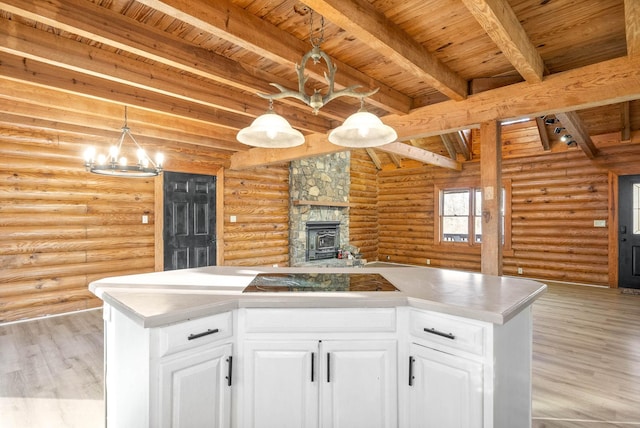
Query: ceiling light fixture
[(116, 163), (270, 130), (362, 129)]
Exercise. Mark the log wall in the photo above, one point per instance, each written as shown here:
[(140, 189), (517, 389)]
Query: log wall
[(555, 198), (259, 200), (61, 227), (363, 213)]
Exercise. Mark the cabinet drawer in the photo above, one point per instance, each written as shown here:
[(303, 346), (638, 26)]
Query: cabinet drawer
[(189, 334), (320, 320), (448, 330)]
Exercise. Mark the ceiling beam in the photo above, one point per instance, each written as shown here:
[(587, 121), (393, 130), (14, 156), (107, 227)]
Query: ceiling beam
[(578, 131), (102, 25), (315, 145), (48, 76), (607, 82), (632, 28), (225, 20), (502, 25), (361, 19), (374, 158), (395, 159), (23, 99), (463, 144), (449, 145), (55, 50), (421, 155), (543, 133)]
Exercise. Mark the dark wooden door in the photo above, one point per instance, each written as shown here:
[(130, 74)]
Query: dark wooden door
[(189, 220), (629, 231)]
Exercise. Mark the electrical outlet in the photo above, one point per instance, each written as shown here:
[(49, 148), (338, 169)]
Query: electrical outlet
[(145, 219), (599, 223), (428, 261), (519, 271), (233, 219)]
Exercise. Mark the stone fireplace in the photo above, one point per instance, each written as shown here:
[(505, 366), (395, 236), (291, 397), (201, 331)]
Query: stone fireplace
[(314, 185)]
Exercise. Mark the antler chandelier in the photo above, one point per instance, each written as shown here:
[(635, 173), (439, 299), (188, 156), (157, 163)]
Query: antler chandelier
[(362, 129), (115, 163)]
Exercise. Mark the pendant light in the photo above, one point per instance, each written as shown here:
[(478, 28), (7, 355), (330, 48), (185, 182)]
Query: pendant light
[(362, 129), (270, 130)]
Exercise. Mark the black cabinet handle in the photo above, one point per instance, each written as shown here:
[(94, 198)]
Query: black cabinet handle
[(440, 333), (411, 360), (328, 367), (230, 370), (313, 364), (204, 333)]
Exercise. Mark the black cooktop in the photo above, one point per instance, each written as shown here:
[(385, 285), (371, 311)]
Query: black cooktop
[(314, 282)]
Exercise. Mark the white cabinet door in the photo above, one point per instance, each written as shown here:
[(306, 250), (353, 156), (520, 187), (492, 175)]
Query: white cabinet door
[(359, 384), (445, 391), (194, 388), (280, 384)]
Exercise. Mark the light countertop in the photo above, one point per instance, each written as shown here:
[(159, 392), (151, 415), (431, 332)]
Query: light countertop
[(161, 298)]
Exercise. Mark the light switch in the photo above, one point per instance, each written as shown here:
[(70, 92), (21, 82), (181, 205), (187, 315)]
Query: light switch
[(233, 219), (145, 219), (599, 223)]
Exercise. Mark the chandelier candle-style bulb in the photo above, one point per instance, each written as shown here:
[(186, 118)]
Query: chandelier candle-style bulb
[(115, 163)]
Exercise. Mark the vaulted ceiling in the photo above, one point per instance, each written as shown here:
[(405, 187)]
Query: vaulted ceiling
[(189, 70)]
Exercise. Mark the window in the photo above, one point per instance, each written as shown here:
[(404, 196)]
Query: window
[(461, 215), (459, 211)]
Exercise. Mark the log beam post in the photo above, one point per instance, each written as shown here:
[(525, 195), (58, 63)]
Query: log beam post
[(490, 181)]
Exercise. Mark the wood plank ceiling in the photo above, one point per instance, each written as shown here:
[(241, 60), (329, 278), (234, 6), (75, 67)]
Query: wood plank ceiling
[(189, 70)]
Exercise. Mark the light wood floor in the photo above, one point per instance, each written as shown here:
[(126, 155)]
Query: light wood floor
[(586, 365)]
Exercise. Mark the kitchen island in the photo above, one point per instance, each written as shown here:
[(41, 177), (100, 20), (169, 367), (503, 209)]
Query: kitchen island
[(206, 347)]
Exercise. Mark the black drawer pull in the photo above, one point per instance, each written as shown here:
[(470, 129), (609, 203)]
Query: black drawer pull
[(411, 377), (313, 363), (230, 370), (204, 333), (440, 333)]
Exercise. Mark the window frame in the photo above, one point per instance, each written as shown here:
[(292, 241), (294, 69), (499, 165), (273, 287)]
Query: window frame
[(471, 187)]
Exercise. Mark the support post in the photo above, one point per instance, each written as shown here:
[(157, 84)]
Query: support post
[(490, 181)]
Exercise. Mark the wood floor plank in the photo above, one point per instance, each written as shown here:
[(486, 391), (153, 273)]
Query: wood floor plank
[(51, 372), (586, 358)]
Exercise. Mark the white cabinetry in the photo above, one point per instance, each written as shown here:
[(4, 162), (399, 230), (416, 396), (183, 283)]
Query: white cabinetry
[(445, 391), (194, 388), (319, 368), (175, 376), (462, 373), (359, 383), (315, 374), (280, 384)]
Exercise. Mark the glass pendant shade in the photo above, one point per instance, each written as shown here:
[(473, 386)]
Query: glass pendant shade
[(270, 131), (362, 129)]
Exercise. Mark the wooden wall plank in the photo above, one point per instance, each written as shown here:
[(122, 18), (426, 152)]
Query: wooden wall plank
[(555, 198), (62, 227), (258, 199), (363, 214)]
